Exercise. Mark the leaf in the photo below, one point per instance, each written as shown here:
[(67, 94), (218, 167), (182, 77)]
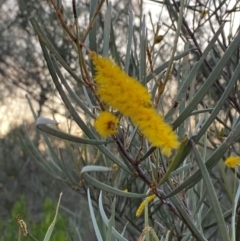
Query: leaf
[(95, 169), (106, 221), (233, 219), (110, 189), (211, 195), (42, 38), (107, 29), (209, 81), (129, 40), (217, 155), (69, 137), (176, 162), (51, 227), (45, 121), (111, 221), (94, 221)]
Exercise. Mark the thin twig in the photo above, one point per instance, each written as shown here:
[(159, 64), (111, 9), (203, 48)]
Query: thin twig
[(92, 20), (179, 27), (86, 77)]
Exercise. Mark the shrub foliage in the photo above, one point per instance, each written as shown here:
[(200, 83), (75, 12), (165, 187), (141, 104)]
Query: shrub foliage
[(149, 169)]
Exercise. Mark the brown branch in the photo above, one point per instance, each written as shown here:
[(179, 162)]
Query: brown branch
[(83, 68), (93, 20)]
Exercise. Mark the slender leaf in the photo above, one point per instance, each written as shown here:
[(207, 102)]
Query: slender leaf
[(107, 29), (111, 221), (129, 41), (109, 189), (95, 169), (69, 137), (209, 81), (175, 163), (94, 221), (234, 209), (42, 37), (211, 195), (217, 155), (106, 221), (186, 83), (51, 227)]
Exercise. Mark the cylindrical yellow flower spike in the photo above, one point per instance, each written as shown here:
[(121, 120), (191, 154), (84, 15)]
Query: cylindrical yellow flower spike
[(132, 99), (143, 204)]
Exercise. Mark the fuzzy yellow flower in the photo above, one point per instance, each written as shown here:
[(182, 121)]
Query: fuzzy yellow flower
[(116, 88), (143, 204), (232, 161), (158, 132), (132, 99), (106, 124)]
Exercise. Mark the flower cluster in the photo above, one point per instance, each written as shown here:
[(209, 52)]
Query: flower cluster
[(126, 94), (106, 124), (232, 161), (143, 204)]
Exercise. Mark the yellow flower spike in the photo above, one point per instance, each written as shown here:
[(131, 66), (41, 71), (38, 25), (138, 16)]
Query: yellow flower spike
[(143, 204), (106, 124), (132, 99), (158, 132), (232, 161), (115, 87)]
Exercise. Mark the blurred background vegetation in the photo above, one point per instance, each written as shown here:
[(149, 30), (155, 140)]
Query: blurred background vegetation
[(25, 187)]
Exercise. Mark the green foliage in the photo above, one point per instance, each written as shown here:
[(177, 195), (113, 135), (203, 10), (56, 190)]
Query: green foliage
[(192, 202), (10, 230), (61, 228)]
